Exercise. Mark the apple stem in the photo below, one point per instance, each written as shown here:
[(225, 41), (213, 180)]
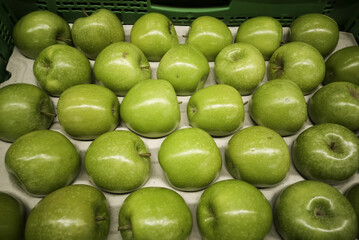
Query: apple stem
[(48, 114), (100, 219), (84, 12), (146, 67), (124, 227), (144, 154), (245, 103)]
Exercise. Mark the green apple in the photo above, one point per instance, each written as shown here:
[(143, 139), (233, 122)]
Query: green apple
[(314, 210), (352, 195), (233, 209), (154, 34), (86, 111), (91, 34), (154, 213), (279, 105), (190, 159), (326, 152), (59, 67), (337, 102), (343, 66), (240, 65), (76, 212), (23, 108), (185, 67), (12, 217), (258, 155), (209, 35), (316, 29), (118, 162), (217, 109), (151, 108), (263, 32), (300, 63), (42, 161), (38, 30), (120, 66)]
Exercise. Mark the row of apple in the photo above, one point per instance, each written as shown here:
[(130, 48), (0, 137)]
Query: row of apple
[(154, 38), (82, 212)]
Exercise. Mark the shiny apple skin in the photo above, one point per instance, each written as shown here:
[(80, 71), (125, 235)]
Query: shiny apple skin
[(352, 195), (154, 34), (233, 209), (337, 102), (185, 67), (343, 66), (258, 155), (209, 35), (279, 105), (76, 212), (155, 213), (12, 217), (264, 32), (217, 109), (190, 159), (151, 108), (24, 108), (326, 152), (314, 210), (38, 30), (318, 30), (86, 111)]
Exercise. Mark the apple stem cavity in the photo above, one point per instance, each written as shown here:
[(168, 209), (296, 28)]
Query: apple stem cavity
[(48, 114), (144, 154), (66, 41)]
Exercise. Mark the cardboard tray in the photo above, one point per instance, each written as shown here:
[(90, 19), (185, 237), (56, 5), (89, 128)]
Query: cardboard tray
[(21, 71)]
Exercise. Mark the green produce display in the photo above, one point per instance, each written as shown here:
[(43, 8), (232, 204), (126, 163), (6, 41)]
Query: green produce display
[(181, 121)]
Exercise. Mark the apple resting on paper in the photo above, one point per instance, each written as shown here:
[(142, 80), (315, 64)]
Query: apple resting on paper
[(241, 66), (87, 110), (151, 108), (118, 162), (314, 210), (91, 34), (233, 209), (42, 161), (155, 213), (217, 109), (24, 108), (300, 63), (258, 155), (263, 32), (326, 152), (279, 105), (190, 159), (337, 102), (59, 67), (209, 35), (12, 217), (38, 30), (185, 67), (318, 30), (343, 66), (154, 34), (120, 66), (76, 212)]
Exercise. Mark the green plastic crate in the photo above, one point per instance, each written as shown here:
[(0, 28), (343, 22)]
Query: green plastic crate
[(181, 12)]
